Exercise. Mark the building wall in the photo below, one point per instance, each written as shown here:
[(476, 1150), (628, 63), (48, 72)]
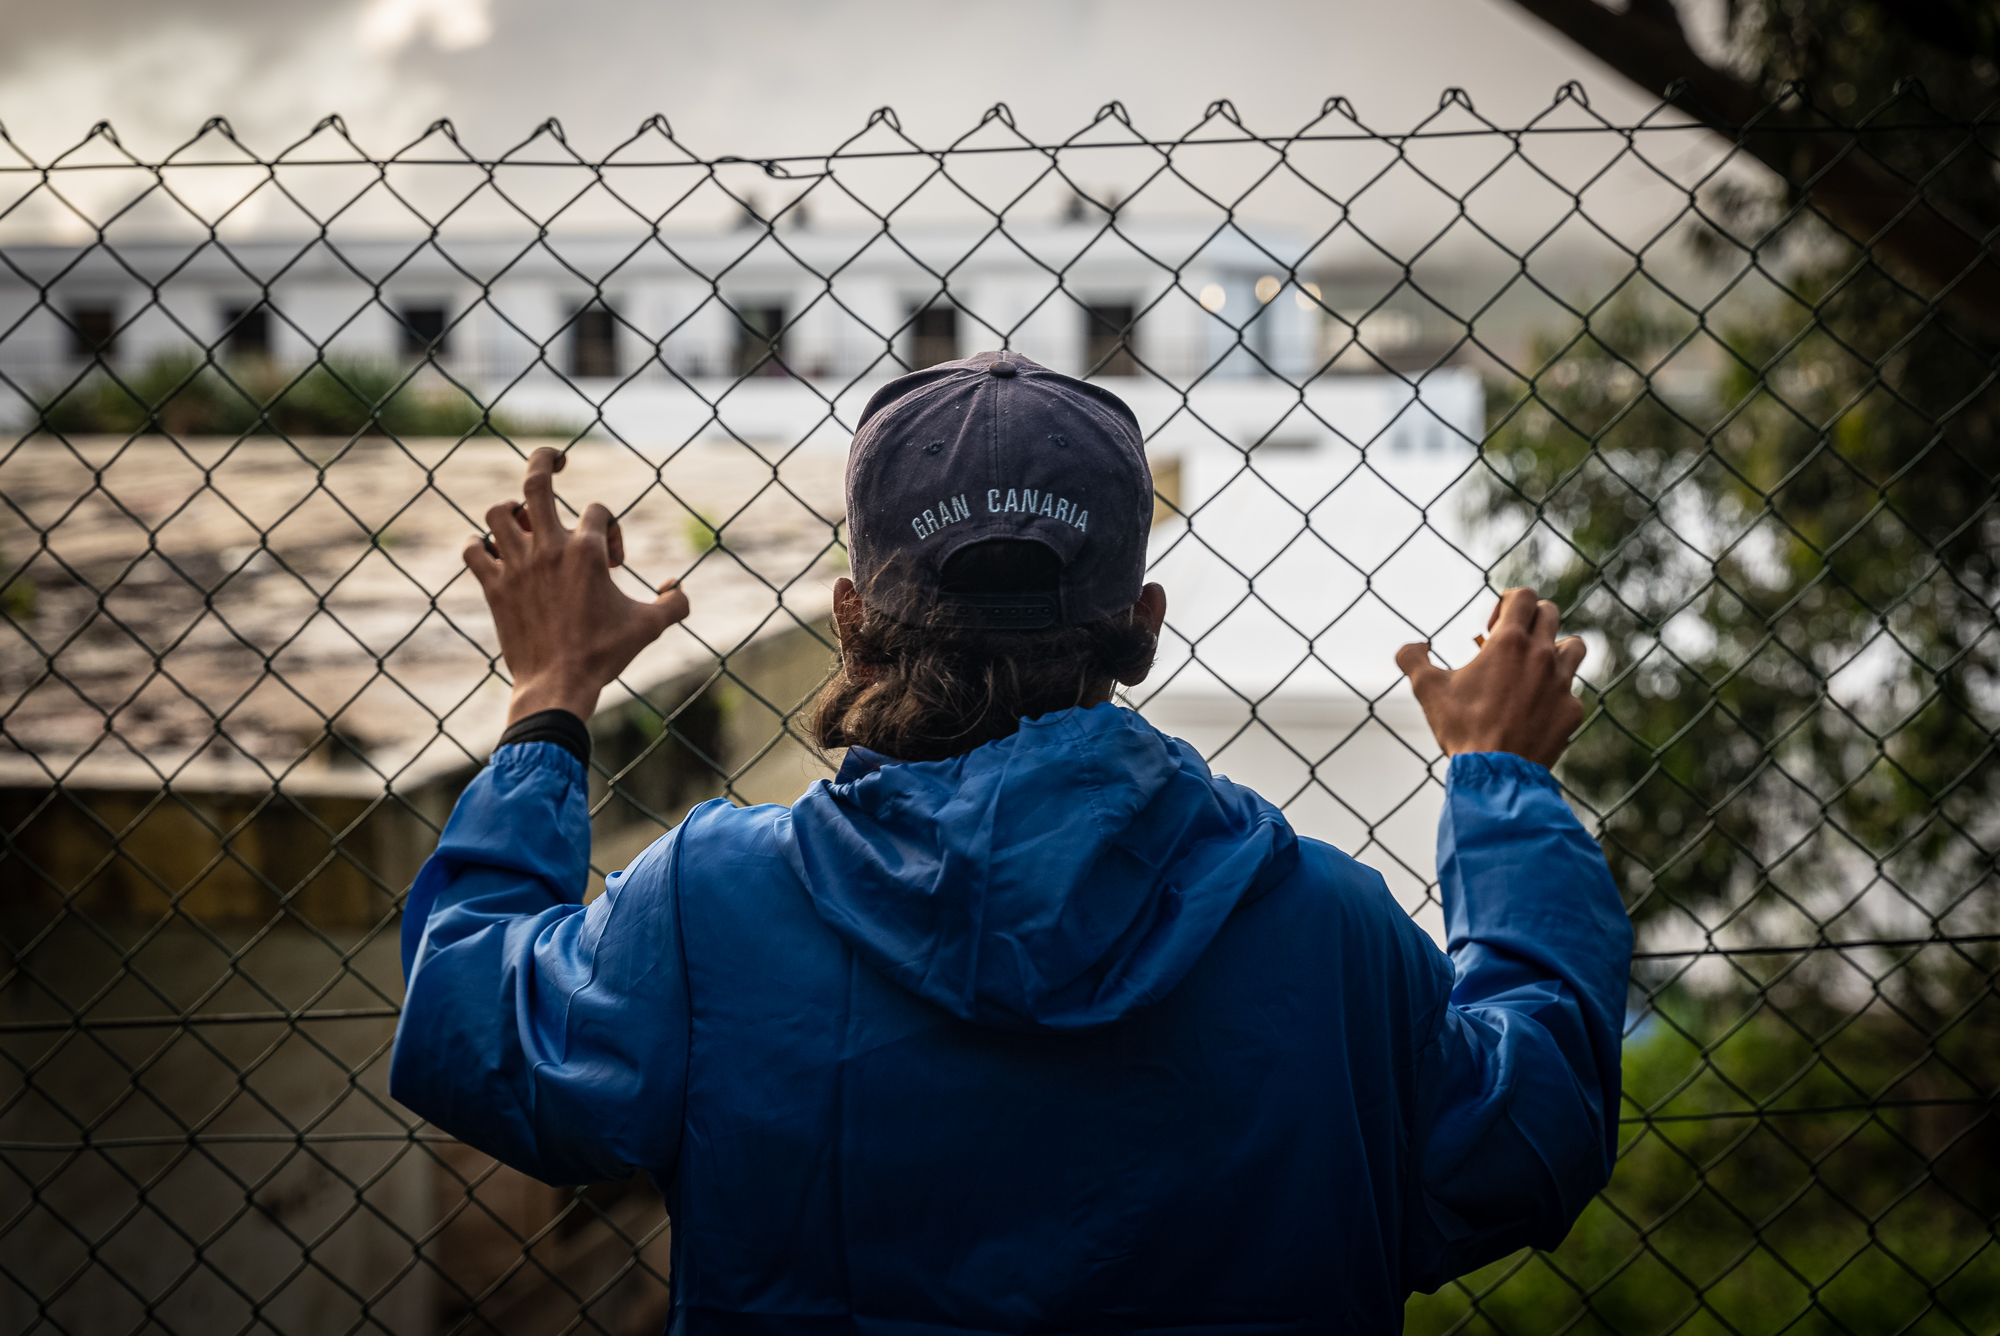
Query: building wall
[(847, 291)]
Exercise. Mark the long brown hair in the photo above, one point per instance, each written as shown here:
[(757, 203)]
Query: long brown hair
[(931, 691)]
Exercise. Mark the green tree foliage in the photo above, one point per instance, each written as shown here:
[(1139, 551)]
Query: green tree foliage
[(184, 394), (1788, 578), (1857, 55), (1735, 1210), (1734, 555), (1790, 581), (1775, 518)]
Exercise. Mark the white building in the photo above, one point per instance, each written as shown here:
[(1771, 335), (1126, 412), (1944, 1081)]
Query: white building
[(1188, 301)]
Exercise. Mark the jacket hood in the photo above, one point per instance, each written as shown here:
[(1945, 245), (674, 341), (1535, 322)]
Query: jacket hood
[(1058, 878)]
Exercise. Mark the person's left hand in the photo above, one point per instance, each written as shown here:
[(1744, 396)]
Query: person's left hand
[(1515, 695), (565, 629)]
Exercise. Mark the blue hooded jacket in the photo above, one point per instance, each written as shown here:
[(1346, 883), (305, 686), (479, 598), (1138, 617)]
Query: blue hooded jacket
[(1063, 1035)]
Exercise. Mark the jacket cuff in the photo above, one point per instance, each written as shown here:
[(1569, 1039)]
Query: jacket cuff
[(560, 727), (1485, 769)]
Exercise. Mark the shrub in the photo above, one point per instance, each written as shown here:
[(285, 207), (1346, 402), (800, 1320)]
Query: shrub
[(183, 394)]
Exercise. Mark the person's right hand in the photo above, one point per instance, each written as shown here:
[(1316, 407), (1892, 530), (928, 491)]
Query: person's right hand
[(565, 629), (1515, 694)]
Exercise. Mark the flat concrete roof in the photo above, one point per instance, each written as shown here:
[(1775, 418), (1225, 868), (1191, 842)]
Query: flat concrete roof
[(204, 609)]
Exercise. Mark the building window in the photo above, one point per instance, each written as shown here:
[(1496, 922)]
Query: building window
[(93, 331), (246, 331), (423, 331), (593, 342), (1108, 340), (760, 341), (933, 336)]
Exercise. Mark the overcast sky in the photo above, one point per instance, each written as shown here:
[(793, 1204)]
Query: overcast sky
[(754, 77)]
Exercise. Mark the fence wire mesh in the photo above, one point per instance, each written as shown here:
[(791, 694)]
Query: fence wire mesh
[(1725, 392)]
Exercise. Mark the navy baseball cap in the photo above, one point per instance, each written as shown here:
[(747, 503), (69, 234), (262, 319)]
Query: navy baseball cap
[(996, 447)]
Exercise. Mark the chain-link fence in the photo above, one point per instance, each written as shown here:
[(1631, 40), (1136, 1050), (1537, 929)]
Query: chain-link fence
[(1727, 393)]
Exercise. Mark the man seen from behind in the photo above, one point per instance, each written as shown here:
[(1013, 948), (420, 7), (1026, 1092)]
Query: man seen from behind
[(1025, 1021)]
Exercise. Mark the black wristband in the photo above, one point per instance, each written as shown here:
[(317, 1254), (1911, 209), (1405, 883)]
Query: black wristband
[(557, 726)]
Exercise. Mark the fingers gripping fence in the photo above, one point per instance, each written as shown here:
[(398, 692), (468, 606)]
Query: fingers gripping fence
[(1740, 422)]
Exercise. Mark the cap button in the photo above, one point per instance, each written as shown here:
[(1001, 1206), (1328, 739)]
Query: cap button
[(1000, 368)]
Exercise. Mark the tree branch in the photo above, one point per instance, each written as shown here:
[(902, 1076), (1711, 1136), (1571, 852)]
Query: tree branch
[(1650, 48), (1878, 210)]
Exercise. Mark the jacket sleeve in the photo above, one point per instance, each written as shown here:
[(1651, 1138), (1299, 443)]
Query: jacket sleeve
[(550, 1035), (1518, 1092)]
